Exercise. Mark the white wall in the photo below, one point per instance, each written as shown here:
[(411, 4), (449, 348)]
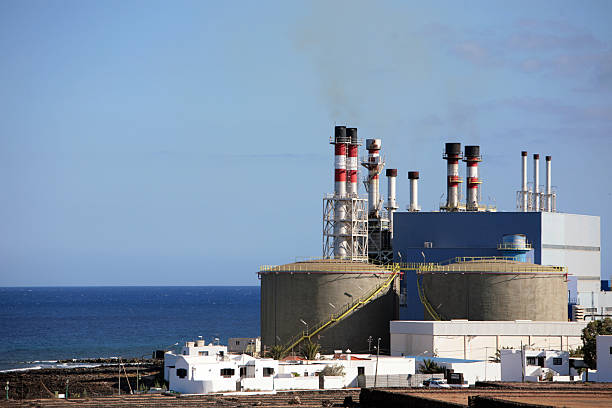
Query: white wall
[(604, 358), (476, 371)]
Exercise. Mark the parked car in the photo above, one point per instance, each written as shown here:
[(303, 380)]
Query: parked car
[(437, 383)]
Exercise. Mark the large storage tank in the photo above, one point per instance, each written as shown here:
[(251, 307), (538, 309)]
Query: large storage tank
[(299, 296), (494, 289)]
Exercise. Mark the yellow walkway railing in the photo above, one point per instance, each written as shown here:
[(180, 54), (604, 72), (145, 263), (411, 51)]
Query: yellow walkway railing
[(347, 310)]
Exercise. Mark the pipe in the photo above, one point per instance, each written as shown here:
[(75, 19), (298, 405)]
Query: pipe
[(351, 163), (413, 176), (548, 185), (340, 240), (391, 203), (472, 157), (374, 166), (452, 154), (536, 182), (524, 195)]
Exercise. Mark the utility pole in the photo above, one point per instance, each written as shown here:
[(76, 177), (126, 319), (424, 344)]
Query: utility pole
[(522, 362), (377, 354), (66, 396), (6, 387), (119, 378)]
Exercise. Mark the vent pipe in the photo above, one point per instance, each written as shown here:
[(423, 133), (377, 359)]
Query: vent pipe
[(391, 203), (452, 154), (413, 176), (472, 157), (351, 163), (536, 182), (524, 198), (548, 185)]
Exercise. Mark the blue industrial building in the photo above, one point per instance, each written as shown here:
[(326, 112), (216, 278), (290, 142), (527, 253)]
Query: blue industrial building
[(557, 239)]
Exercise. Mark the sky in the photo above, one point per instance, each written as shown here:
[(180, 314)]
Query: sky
[(187, 142)]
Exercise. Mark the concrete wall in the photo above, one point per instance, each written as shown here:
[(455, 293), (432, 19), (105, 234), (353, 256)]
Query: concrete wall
[(479, 340), (558, 239), (496, 297), (288, 298)]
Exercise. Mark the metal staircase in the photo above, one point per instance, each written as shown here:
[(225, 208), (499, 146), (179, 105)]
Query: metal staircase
[(346, 311)]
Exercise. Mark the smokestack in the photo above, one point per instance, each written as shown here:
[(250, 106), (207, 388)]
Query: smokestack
[(413, 176), (452, 154), (340, 240), (548, 185), (536, 182), (391, 203), (524, 201), (374, 167), (351, 163), (339, 143), (472, 157)]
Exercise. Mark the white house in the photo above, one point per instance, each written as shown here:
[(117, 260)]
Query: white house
[(247, 345), (604, 358), (195, 373), (535, 365)]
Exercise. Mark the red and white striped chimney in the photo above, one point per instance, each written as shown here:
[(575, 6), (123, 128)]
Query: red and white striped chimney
[(339, 143), (351, 163), (472, 157), (374, 168), (452, 154), (340, 228)]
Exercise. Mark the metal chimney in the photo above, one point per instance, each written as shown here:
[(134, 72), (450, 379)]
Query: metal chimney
[(452, 154), (536, 182), (374, 165), (524, 197), (472, 158), (351, 163), (413, 176), (391, 203), (548, 185)]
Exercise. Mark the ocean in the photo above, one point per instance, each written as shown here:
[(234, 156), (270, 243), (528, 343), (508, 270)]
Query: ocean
[(40, 325)]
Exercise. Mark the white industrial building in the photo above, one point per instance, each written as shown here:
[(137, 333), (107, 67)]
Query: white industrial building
[(604, 358), (479, 340)]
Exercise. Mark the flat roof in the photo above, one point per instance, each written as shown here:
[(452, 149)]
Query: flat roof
[(487, 328)]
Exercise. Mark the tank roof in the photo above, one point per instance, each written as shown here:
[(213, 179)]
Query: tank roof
[(492, 266), (327, 266)]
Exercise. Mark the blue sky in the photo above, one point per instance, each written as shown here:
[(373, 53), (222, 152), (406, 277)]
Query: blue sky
[(179, 143)]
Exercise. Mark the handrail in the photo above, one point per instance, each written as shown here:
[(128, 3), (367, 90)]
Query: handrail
[(346, 310), (430, 309)]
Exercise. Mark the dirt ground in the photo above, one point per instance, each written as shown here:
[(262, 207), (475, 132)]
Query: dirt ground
[(97, 387)]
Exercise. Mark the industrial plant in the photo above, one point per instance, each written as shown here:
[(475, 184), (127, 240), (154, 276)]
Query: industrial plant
[(463, 261)]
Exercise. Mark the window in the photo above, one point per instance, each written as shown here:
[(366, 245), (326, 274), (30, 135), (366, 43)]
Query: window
[(227, 372), (268, 371), (360, 370), (557, 361), (220, 353), (305, 373), (591, 309), (203, 353), (237, 342), (531, 361), (243, 371), (181, 373), (610, 350)]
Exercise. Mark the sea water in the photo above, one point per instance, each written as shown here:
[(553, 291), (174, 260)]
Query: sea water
[(39, 326)]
